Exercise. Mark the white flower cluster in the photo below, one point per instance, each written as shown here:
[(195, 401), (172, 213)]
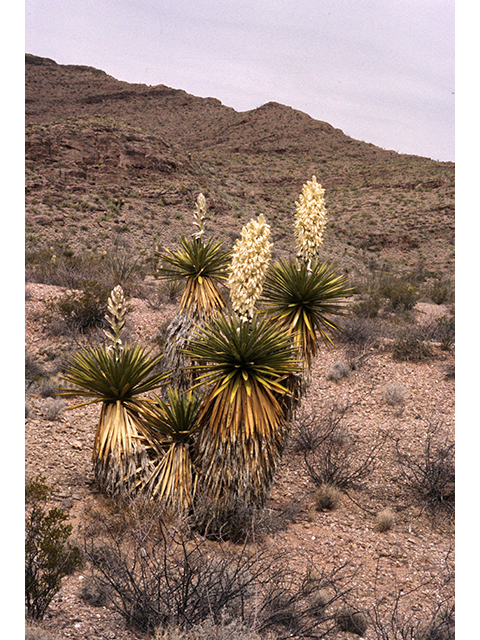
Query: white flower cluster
[(199, 216), (116, 307), (310, 220), (249, 265)]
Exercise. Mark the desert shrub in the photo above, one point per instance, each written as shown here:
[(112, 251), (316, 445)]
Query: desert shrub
[(55, 268), (360, 337), (82, 310), (383, 289), (430, 473), (384, 520), (441, 625), (61, 267), (437, 622), (237, 521), (122, 267), (210, 630), (331, 456), (358, 331), (411, 345), (445, 331), (49, 556), (164, 579), (441, 291), (368, 305), (400, 293), (311, 427)]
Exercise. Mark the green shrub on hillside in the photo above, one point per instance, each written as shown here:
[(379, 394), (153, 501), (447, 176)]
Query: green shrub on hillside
[(49, 556), (82, 310)]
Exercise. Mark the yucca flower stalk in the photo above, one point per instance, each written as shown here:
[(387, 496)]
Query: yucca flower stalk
[(170, 427), (246, 369), (202, 266), (310, 221), (250, 260), (199, 216), (116, 319), (117, 377)]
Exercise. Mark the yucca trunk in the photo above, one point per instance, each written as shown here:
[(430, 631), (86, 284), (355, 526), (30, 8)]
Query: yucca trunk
[(174, 360), (120, 452), (238, 467), (236, 456), (171, 480)]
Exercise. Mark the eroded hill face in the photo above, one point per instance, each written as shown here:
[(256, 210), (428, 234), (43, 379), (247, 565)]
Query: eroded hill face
[(108, 161)]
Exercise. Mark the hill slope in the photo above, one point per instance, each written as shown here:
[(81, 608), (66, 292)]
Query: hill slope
[(111, 161)]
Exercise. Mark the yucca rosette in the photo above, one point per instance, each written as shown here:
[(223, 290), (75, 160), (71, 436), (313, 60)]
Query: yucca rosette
[(303, 299), (247, 370)]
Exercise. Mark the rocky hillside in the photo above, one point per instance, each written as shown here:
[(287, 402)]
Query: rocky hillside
[(108, 161)]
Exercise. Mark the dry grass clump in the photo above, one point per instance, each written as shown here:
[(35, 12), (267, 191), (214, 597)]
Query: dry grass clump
[(35, 632), (53, 408), (385, 520), (338, 372), (210, 630), (352, 622), (327, 497), (394, 395)]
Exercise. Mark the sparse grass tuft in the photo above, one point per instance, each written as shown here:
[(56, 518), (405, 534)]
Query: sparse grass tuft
[(338, 372), (394, 395), (327, 497), (385, 520), (352, 622), (53, 408), (35, 632)]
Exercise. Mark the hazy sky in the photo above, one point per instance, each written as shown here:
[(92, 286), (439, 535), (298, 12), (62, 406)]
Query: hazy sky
[(381, 71)]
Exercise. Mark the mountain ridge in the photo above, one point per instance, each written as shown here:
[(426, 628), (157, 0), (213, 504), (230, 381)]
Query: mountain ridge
[(155, 148)]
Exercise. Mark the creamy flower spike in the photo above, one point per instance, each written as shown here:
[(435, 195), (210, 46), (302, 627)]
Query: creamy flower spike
[(199, 216), (310, 220), (249, 265)]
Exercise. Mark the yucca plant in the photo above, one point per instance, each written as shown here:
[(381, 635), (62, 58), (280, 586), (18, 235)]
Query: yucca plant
[(247, 369), (302, 297), (116, 376), (170, 427), (202, 267)]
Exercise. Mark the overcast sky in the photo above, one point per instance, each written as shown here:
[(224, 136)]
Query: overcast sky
[(381, 71)]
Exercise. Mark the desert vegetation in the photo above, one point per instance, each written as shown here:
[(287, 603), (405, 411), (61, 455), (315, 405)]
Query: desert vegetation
[(245, 417), (189, 440)]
